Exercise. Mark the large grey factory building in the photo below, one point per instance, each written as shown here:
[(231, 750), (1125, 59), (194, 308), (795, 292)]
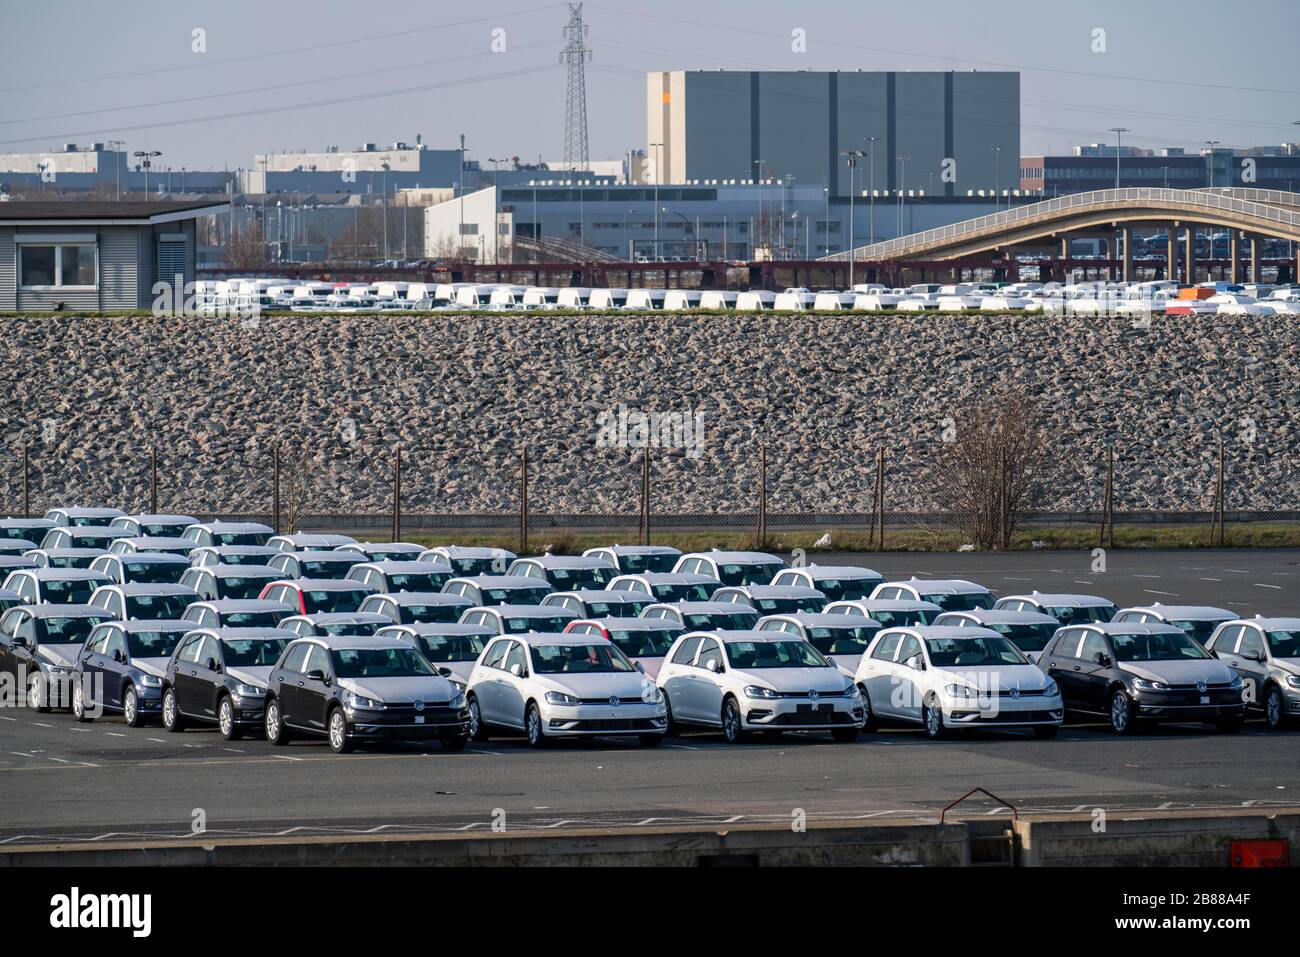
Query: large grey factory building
[(725, 126)]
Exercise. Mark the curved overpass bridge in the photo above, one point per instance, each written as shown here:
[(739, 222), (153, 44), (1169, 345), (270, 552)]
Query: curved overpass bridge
[(1247, 214)]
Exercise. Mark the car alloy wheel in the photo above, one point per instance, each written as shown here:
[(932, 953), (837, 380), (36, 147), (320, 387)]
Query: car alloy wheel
[(476, 729), (226, 719), (1273, 713), (671, 728), (869, 722), (78, 701), (1121, 713), (274, 728), (933, 719), (171, 714), (731, 726), (131, 707), (533, 725), (36, 694), (338, 729)]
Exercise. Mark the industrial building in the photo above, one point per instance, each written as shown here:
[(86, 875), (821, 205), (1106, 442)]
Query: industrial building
[(1095, 167), (104, 169), (724, 126)]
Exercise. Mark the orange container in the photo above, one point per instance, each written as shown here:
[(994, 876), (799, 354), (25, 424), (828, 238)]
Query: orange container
[(1195, 292)]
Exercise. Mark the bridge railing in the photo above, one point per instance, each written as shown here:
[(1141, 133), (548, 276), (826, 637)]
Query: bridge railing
[(1208, 200)]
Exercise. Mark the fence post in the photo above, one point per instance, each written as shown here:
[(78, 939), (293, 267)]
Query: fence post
[(523, 501), (275, 487), (645, 495), (1219, 490), (762, 495), (397, 495), (1002, 500), (27, 482), (880, 499), (153, 481), (1108, 505)]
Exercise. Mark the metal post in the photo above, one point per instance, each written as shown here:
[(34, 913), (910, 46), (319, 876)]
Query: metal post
[(275, 487), (523, 501), (1108, 504), (153, 481), (762, 495), (645, 495), (1219, 489), (880, 498), (397, 495), (27, 484), (1002, 500)]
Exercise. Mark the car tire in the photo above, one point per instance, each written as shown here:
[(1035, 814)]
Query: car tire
[(277, 732), (845, 735), (38, 694), (533, 726), (1046, 731), (226, 723), (131, 707), (457, 743), (671, 728), (336, 728), (733, 728), (870, 722), (932, 720), (1275, 709), (171, 713), (1122, 719), (477, 728), (1229, 725), (650, 740), (79, 711)]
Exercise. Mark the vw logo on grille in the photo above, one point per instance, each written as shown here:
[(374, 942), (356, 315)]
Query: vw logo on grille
[(812, 695), (1015, 692), (1200, 686), (419, 705), (614, 701)]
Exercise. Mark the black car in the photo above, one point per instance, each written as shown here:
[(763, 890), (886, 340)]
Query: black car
[(1135, 674), (351, 688), (121, 668), (39, 645), (219, 675)]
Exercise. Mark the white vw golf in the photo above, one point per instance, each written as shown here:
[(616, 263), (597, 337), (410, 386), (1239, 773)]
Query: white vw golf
[(766, 681), (946, 677), (562, 686)]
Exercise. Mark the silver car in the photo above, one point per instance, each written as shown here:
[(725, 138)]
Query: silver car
[(1265, 652)]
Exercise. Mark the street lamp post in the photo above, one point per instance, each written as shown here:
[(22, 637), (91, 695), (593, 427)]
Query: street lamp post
[(659, 172), (384, 200), (997, 178), (851, 158), (1119, 132), (902, 180), (755, 237), (871, 200), (1211, 144), (146, 161)]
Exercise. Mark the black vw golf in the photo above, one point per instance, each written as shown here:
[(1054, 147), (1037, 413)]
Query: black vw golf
[(220, 675)]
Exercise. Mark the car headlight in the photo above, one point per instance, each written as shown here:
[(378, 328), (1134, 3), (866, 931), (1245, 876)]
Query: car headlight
[(1293, 680), (755, 691), (1050, 689), (458, 702), (962, 691), (58, 671), (650, 694), (559, 697), (1235, 683), (249, 691), (150, 681), (353, 700), (851, 690), (1142, 684)]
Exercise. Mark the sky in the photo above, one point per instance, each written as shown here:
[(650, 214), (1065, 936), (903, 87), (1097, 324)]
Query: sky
[(211, 84)]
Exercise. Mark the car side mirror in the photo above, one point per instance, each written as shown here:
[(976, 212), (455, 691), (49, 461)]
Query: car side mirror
[(212, 665), (830, 661), (315, 675), (19, 642), (712, 665), (916, 663), (1103, 659), (1253, 656), (639, 667), (517, 670), (119, 655)]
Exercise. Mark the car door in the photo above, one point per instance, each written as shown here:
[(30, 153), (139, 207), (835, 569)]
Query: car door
[(1063, 666), (674, 680), (705, 687), (314, 690), (191, 676), (112, 667), (488, 680), (1251, 662), (92, 664), (186, 671), (289, 681), (907, 682), (1094, 675), (511, 690), (877, 673)]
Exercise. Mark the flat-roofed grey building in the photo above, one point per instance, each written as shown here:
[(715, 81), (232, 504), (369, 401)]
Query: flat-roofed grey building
[(724, 125), (94, 256)]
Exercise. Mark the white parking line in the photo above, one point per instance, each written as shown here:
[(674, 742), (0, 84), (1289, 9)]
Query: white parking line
[(1211, 579), (115, 734), (1263, 585), (1152, 591)]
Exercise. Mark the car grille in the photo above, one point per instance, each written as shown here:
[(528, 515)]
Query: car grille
[(615, 724), (805, 694), (1022, 693), (605, 701), (818, 718)]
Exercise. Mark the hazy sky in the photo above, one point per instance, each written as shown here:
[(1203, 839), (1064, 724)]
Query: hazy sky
[(290, 74)]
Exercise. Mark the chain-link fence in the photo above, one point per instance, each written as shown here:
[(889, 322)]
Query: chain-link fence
[(756, 491)]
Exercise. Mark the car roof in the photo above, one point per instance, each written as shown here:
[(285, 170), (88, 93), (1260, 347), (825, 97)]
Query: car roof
[(66, 574), (97, 531), (240, 571), (773, 591), (636, 549), (747, 634), (838, 571), (343, 618), (267, 550), (534, 638), (666, 578), (64, 611), (156, 558), (236, 527), (939, 584), (346, 642), (814, 618), (598, 594), (1060, 598), (394, 566), (632, 624), (8, 595), (1287, 624), (473, 551), (1005, 616), (324, 584), (151, 588), (159, 541), (1130, 627), (244, 604), (74, 552), (44, 523), (443, 628), (501, 581), (565, 561), (161, 518), (703, 607), (233, 634), (424, 598), (88, 511), (152, 624), (320, 554), (736, 557), (526, 611), (889, 604), (1188, 612), (945, 631)]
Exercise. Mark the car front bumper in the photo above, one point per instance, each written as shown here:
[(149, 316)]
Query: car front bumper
[(590, 720), (1180, 706), (408, 724), (802, 714), (1003, 712)]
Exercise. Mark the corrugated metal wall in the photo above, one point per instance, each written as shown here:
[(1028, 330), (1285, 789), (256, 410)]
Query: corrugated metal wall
[(117, 268), (8, 270)]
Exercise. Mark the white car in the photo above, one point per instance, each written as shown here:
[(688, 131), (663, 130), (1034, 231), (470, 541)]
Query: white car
[(747, 681), (836, 582), (562, 686), (946, 678), (954, 594), (841, 638)]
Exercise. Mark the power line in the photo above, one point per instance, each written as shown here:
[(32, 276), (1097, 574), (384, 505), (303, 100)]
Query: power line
[(575, 57)]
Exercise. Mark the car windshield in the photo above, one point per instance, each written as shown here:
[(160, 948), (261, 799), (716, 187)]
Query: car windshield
[(447, 648), (637, 564), (56, 631), (603, 658), (1284, 644), (252, 652), (646, 643), (551, 624), (748, 655), (159, 573), (326, 567), (344, 599), (1200, 630), (1163, 646), (92, 521), (1071, 615), (899, 619), (568, 579), (430, 614), (787, 606), (973, 652), (154, 644), (23, 534), (515, 596), (244, 560), (68, 592), (841, 641), (419, 581), (163, 531), (350, 628), (471, 566), (665, 592), (251, 619), (157, 606), (1025, 637), (233, 586), (71, 561), (241, 538), (851, 589), (618, 609), (722, 621), (380, 663), (756, 574), (965, 601)]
